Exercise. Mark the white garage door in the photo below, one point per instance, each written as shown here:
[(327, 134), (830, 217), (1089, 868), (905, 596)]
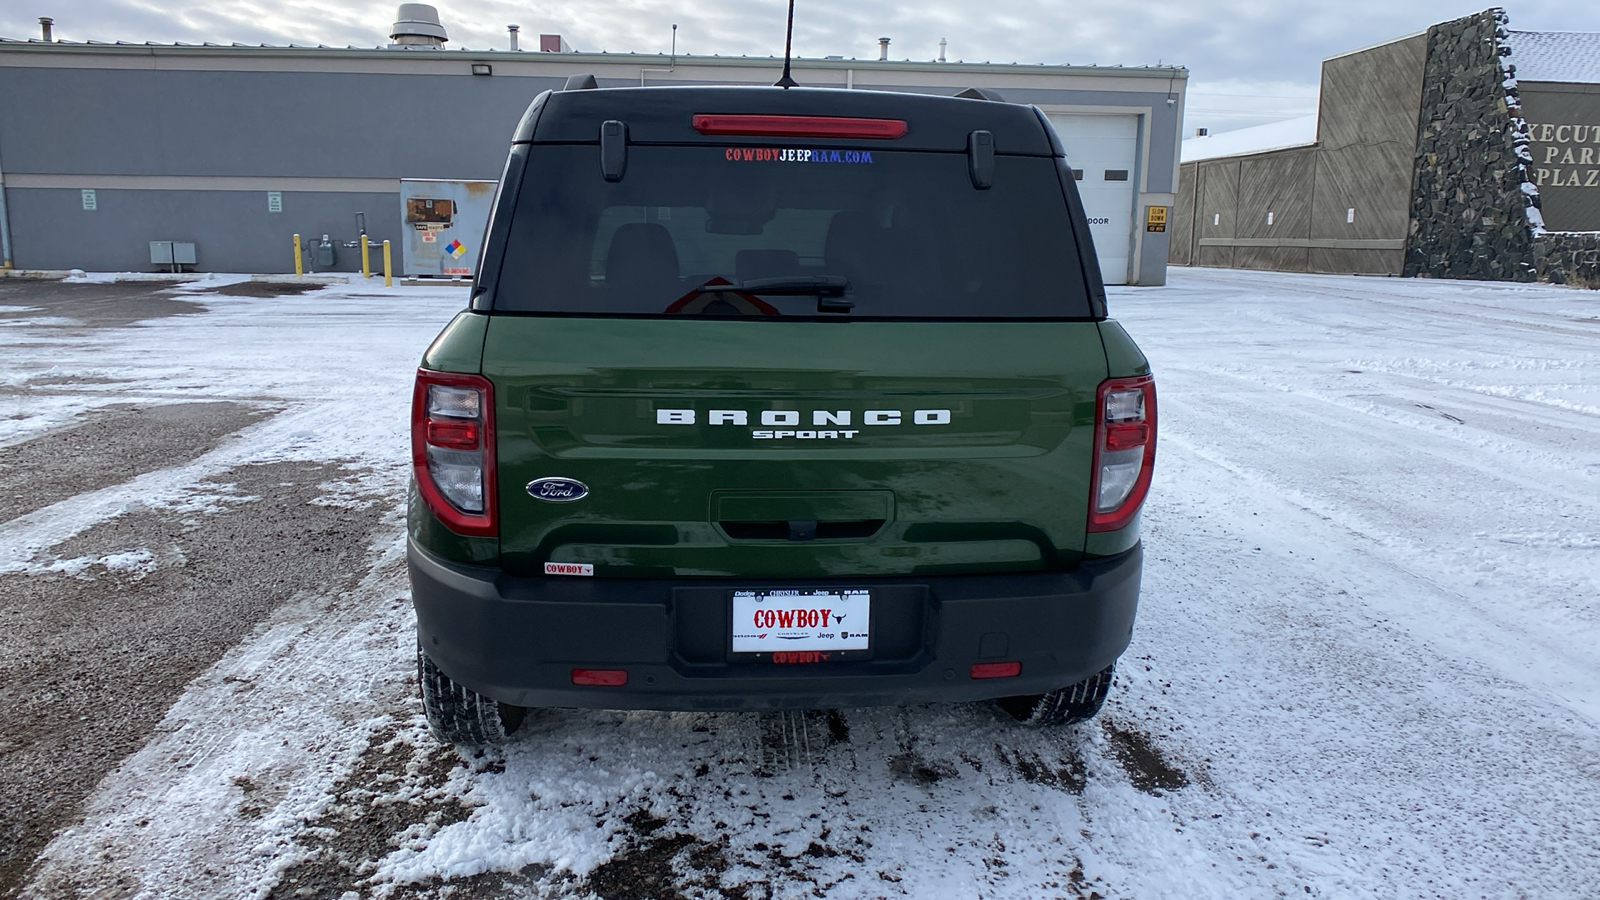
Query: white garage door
[(1101, 151)]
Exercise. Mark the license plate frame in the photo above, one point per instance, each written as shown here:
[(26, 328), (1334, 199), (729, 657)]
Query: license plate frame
[(843, 643)]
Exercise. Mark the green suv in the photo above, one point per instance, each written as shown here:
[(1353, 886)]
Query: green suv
[(778, 399)]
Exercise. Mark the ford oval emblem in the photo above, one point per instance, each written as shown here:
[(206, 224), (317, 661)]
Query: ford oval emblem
[(557, 490)]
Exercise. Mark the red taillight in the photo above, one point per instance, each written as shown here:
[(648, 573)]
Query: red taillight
[(452, 450), (600, 677), (458, 435), (1124, 450), (801, 126), (996, 670)]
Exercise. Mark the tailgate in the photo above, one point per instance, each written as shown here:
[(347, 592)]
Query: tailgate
[(753, 448)]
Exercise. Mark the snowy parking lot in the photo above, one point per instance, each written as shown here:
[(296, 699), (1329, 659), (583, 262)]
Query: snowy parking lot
[(1367, 661)]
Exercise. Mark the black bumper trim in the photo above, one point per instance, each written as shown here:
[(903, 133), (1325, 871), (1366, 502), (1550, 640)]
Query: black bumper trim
[(517, 639)]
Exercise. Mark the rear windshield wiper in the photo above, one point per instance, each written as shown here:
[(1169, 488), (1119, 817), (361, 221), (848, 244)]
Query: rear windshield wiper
[(828, 289)]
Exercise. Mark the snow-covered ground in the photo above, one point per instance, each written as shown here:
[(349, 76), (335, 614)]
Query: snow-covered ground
[(1366, 662)]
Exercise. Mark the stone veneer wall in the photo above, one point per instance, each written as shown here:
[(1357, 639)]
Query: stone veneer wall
[(1470, 215), (1568, 257), (1474, 210)]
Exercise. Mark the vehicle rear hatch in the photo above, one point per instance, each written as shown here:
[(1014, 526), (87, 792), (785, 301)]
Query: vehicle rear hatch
[(790, 355)]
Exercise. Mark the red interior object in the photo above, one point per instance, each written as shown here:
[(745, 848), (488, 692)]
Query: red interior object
[(801, 126)]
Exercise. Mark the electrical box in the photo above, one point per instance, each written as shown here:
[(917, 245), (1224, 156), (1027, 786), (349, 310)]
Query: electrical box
[(171, 256), (323, 253), (442, 225)]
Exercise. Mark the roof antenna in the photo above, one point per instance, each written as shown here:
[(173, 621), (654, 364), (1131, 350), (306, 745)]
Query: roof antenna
[(786, 81)]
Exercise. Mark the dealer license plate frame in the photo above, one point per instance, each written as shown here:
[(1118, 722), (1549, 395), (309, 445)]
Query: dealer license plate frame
[(814, 650)]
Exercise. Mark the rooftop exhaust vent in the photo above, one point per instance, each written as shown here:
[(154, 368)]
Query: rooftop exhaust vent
[(417, 25), (978, 93)]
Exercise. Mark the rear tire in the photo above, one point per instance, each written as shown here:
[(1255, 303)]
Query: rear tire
[(1077, 703), (460, 715)]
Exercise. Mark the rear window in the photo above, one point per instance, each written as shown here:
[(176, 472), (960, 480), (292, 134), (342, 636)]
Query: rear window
[(894, 234)]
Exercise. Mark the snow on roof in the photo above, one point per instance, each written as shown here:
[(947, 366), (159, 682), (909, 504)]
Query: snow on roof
[(1299, 132), (1570, 56)]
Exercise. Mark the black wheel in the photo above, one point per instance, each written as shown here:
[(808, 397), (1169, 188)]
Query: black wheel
[(460, 715), (1077, 703)]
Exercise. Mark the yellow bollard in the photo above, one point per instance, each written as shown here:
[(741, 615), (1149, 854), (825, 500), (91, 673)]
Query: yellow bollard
[(299, 267), (388, 281), (366, 267)]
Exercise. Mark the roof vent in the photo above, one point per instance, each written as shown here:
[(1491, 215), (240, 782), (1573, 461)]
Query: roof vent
[(977, 93), (417, 25), (44, 29), (883, 48)]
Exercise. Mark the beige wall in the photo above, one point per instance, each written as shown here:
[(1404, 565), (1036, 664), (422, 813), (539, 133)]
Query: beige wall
[(1341, 205)]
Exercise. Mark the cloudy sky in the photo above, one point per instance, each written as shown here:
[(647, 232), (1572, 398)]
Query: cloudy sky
[(1250, 61)]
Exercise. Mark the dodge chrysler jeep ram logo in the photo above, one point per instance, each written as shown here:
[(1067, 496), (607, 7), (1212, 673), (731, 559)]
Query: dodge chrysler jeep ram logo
[(827, 424), (557, 490)]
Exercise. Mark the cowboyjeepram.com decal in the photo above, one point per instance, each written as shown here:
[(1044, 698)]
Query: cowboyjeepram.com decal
[(796, 155), (827, 424)]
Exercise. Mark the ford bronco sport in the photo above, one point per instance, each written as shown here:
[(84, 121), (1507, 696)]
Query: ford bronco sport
[(774, 399)]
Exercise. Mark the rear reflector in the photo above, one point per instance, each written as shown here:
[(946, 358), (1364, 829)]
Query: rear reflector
[(996, 670), (801, 126), (600, 677)]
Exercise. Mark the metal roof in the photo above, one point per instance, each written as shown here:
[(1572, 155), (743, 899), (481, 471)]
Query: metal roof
[(572, 60), (1567, 56)]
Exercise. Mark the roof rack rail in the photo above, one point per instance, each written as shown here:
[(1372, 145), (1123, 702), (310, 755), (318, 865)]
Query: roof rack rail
[(580, 83), (977, 93)]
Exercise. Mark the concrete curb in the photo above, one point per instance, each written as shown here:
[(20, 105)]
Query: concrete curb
[(34, 273)]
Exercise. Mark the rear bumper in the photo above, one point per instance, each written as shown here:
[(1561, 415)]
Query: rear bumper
[(517, 639)]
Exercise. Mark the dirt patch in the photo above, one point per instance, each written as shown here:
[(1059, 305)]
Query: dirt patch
[(89, 663), (93, 305), (263, 289), (1067, 772), (790, 740), (909, 766), (396, 786), (1147, 769), (838, 728), (113, 445), (659, 866)]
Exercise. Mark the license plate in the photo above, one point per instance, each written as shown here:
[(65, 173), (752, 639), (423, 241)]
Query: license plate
[(780, 621)]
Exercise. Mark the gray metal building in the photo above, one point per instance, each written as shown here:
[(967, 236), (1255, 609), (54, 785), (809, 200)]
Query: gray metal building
[(107, 147)]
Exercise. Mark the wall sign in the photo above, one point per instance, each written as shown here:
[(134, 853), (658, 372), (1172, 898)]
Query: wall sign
[(89, 200), (1155, 218), (274, 201), (1564, 140)]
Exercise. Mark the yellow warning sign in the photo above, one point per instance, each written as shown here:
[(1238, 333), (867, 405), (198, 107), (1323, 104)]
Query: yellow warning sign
[(1155, 218)]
